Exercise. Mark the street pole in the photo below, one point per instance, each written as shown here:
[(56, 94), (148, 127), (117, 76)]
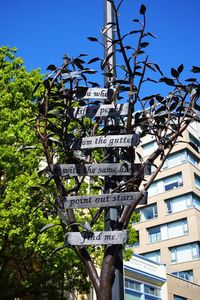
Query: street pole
[(112, 214), (109, 37)]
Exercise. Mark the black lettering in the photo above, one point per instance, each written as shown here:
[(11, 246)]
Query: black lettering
[(128, 141), (72, 202), (103, 199), (111, 142), (132, 197), (114, 198), (97, 200), (98, 237), (116, 141), (108, 237)]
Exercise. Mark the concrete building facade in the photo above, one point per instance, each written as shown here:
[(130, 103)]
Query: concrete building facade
[(169, 226)]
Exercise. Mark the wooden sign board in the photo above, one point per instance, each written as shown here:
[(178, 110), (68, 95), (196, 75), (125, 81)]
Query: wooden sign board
[(105, 200), (111, 141), (96, 238), (103, 110), (112, 169)]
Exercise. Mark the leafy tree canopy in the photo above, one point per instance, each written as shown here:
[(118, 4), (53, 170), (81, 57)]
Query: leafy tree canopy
[(27, 266)]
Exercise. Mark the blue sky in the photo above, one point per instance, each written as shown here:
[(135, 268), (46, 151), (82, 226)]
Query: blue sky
[(44, 30)]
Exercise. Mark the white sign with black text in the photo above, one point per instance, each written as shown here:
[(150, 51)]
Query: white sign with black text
[(96, 238), (105, 200)]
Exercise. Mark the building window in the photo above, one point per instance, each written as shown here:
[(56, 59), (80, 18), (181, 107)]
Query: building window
[(151, 290), (196, 202), (132, 295), (197, 181), (177, 228), (179, 298), (132, 290), (195, 143), (133, 285), (175, 159), (182, 202), (154, 256), (153, 189), (135, 290), (165, 184), (187, 275), (148, 212), (184, 253), (173, 182), (154, 234), (149, 148), (168, 231), (191, 158), (179, 158)]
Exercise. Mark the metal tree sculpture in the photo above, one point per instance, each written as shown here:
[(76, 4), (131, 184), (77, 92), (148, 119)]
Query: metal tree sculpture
[(77, 119)]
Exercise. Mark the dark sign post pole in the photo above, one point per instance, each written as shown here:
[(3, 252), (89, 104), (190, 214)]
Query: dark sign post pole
[(111, 214)]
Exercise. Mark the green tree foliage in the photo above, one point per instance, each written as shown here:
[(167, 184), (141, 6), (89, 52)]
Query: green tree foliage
[(27, 265)]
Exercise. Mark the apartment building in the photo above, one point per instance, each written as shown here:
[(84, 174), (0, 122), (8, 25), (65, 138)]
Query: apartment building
[(169, 225), (144, 279), (147, 280)]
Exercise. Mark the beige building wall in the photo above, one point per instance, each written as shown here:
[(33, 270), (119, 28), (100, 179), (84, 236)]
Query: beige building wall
[(182, 288), (192, 215)]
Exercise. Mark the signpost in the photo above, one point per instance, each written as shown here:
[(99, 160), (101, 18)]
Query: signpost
[(108, 114), (112, 214)]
